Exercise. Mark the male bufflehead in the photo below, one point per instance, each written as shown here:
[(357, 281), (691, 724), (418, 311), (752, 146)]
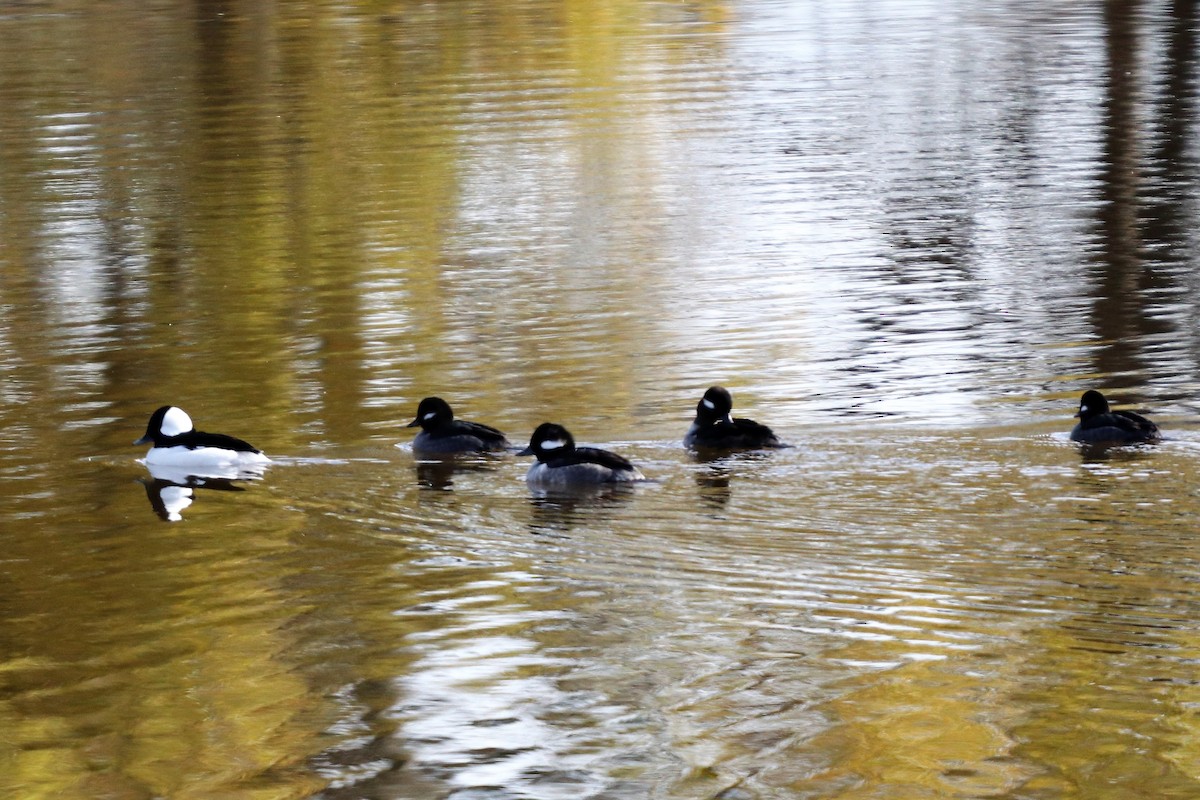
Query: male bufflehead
[(442, 433), (561, 464), (715, 427), (1099, 425), (177, 443)]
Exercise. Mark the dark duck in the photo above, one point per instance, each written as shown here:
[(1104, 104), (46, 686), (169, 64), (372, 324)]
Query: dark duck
[(1098, 424), (442, 434), (561, 464), (715, 427)]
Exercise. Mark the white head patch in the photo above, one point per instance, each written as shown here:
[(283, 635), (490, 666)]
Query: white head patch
[(553, 444), (175, 422), (430, 415), (708, 404)]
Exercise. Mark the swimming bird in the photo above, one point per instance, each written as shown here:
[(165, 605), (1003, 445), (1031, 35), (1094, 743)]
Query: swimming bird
[(176, 442), (560, 464), (441, 433), (1100, 425), (715, 427)]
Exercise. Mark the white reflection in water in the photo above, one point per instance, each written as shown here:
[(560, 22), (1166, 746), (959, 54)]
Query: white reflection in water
[(477, 709)]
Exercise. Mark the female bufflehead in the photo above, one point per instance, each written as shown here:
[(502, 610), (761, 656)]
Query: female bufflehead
[(178, 443), (715, 427), (442, 433), (561, 464), (1099, 425)]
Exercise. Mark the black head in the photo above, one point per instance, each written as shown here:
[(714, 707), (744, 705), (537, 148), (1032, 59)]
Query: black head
[(549, 441), (715, 406), (1092, 404), (166, 423), (432, 412)]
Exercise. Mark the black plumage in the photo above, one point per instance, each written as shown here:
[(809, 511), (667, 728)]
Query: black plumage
[(715, 427), (192, 439), (442, 433), (1098, 424)]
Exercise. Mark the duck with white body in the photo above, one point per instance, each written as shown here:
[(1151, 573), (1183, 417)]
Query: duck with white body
[(177, 443)]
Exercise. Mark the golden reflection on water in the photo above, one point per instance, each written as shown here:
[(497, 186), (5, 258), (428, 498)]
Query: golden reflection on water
[(296, 221), (337, 624)]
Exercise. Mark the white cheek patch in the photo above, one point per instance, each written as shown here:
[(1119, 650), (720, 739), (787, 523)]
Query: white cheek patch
[(175, 422), (553, 444), (1083, 409), (430, 415), (708, 404)]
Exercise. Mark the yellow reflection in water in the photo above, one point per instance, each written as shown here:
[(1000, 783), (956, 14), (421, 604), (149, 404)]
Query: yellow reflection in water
[(920, 731), (304, 204), (166, 674)]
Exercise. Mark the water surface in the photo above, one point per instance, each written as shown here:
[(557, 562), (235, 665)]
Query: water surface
[(906, 237)]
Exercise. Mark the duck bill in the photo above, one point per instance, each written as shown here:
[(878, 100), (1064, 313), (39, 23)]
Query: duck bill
[(143, 440), (414, 423), (528, 451)]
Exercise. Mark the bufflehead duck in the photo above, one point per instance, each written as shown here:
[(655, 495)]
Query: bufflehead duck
[(1099, 425), (561, 464), (442, 433), (715, 427), (177, 443)]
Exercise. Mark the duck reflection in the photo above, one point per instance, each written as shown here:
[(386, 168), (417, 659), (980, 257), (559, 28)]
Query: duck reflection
[(438, 472), (713, 483), (171, 490), (719, 466), (557, 511), (1113, 453)]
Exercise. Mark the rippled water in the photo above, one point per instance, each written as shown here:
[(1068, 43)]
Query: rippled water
[(906, 236)]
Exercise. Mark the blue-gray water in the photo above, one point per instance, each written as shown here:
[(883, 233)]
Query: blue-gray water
[(906, 236)]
